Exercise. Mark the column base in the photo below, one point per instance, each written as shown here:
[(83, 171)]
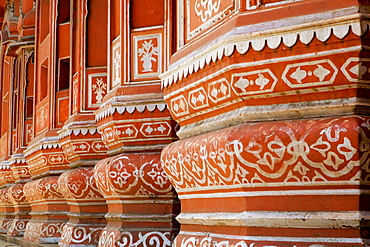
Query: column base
[(81, 233)]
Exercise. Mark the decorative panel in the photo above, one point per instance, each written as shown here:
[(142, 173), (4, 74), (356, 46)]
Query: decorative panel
[(115, 66), (97, 88), (42, 117), (202, 14), (147, 60)]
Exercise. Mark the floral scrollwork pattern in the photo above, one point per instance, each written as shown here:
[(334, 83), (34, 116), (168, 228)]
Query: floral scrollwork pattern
[(141, 175), (79, 184), (209, 241), (128, 239), (300, 151), (79, 235), (206, 8)]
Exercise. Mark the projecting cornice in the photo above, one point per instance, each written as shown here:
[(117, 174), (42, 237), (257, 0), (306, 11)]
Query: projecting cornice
[(237, 41)]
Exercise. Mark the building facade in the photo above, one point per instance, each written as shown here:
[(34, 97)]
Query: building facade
[(185, 123)]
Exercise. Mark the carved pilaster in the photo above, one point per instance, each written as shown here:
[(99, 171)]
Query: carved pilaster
[(49, 210), (6, 211), (87, 208), (21, 210), (142, 203)]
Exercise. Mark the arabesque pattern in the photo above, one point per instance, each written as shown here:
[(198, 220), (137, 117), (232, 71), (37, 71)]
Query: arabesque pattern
[(286, 152), (86, 222)]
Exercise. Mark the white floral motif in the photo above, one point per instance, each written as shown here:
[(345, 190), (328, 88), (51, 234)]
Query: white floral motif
[(319, 151), (147, 52), (99, 89), (124, 175), (205, 8)]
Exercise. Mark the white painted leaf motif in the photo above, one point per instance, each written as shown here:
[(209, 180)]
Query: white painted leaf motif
[(318, 146), (120, 178), (346, 149), (254, 148), (149, 129), (201, 98), (182, 104), (194, 100), (320, 72), (358, 70), (261, 81), (214, 93), (129, 131), (268, 159), (131, 109), (223, 89), (257, 179), (333, 160), (176, 107), (299, 75), (301, 169), (83, 147), (277, 146), (161, 128), (242, 84)]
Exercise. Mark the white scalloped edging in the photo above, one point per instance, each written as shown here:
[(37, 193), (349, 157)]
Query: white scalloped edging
[(4, 165), (44, 143), (258, 41), (76, 132), (50, 146), (17, 161), (129, 108)]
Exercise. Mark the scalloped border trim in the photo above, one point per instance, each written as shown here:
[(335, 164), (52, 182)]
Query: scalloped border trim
[(44, 143), (4, 165), (305, 33), (130, 109), (17, 159), (77, 131)]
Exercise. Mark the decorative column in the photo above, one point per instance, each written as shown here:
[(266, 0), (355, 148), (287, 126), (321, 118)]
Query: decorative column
[(21, 210), (50, 108), (273, 102), (135, 125), (6, 211), (81, 141), (49, 210), (17, 39), (79, 137), (87, 208), (141, 201), (22, 108)]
